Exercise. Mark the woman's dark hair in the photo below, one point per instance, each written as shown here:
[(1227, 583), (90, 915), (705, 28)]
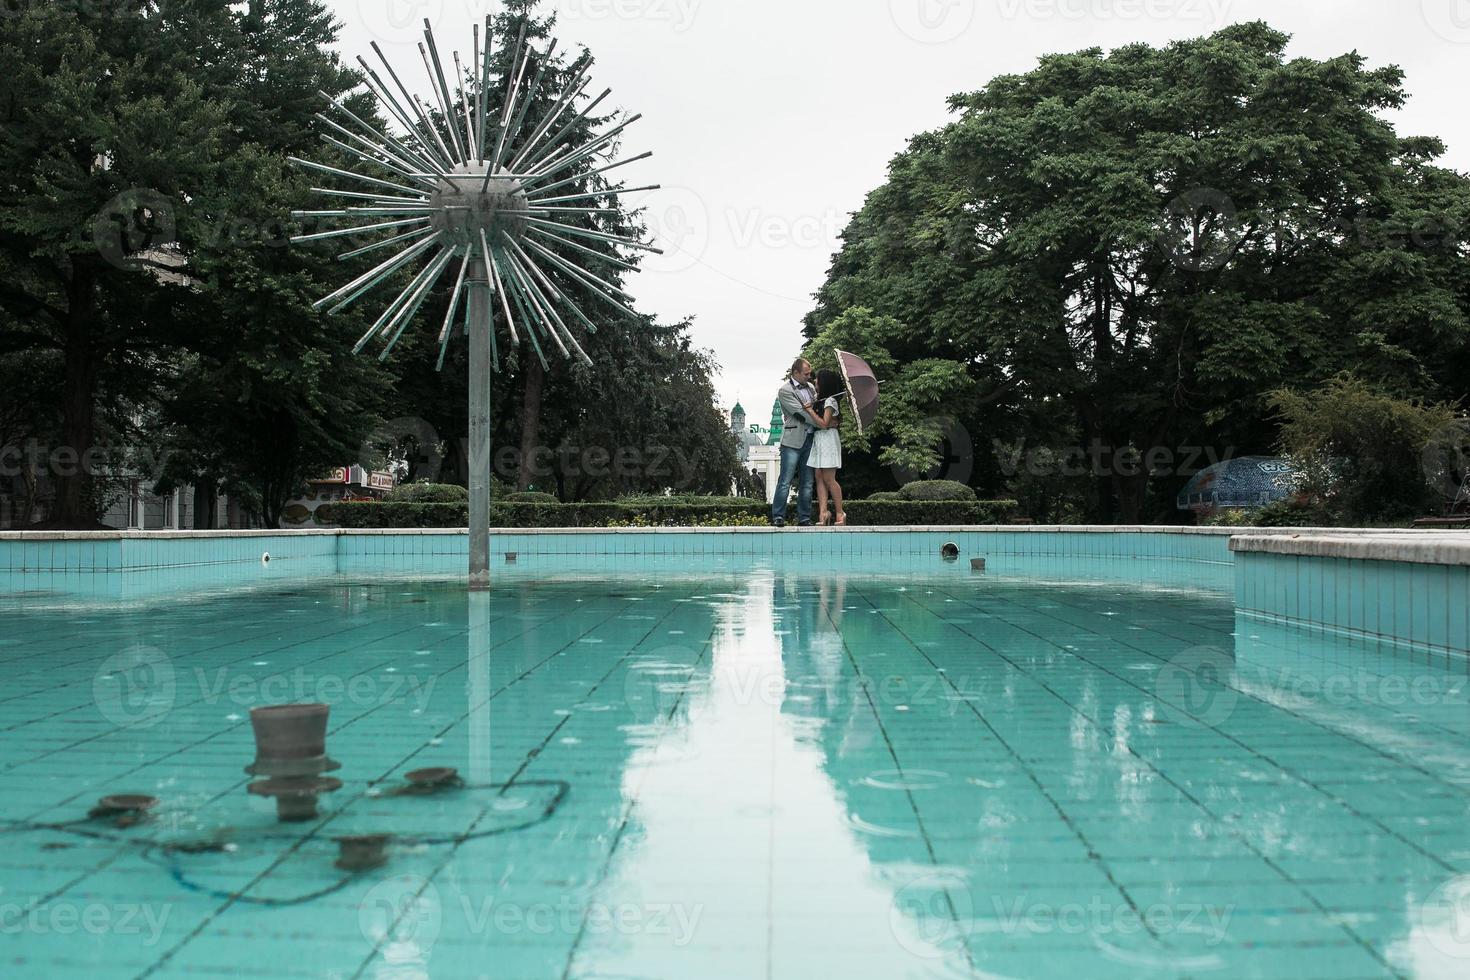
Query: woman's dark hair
[(829, 383)]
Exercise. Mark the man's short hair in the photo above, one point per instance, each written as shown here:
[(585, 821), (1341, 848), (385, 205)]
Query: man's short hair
[(798, 364)]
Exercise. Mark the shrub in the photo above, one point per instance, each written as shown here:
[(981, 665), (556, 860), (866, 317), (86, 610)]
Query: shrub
[(886, 495), (529, 497), (935, 490), (427, 493), (928, 513), (1361, 450)]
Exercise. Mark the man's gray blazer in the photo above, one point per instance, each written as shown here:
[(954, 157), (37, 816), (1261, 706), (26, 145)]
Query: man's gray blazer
[(797, 424)]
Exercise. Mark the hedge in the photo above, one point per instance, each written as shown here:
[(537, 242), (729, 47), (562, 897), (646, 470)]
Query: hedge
[(866, 513), (931, 490)]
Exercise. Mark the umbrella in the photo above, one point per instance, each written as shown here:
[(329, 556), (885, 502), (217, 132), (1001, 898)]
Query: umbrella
[(862, 387)]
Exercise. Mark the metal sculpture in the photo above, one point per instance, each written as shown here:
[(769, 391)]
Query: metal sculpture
[(493, 188)]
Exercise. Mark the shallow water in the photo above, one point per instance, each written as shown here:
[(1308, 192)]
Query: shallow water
[(760, 772)]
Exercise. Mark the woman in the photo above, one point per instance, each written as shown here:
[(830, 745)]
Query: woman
[(826, 454)]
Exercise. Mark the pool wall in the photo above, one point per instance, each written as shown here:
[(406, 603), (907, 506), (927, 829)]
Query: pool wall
[(1404, 587), (1411, 589)]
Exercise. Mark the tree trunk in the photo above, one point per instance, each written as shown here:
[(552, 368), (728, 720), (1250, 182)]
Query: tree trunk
[(75, 505), (530, 421)]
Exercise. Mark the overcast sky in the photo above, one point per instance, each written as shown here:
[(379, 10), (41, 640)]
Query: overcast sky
[(770, 120)]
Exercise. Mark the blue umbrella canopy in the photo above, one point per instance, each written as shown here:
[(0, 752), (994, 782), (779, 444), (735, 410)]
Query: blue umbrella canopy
[(1250, 481)]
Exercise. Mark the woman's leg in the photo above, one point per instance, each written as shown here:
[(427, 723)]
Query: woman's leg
[(834, 490), (821, 480)]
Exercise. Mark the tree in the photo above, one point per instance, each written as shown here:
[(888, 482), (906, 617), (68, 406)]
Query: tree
[(1157, 239)]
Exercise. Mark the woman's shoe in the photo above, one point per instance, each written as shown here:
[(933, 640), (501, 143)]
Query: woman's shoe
[(842, 520), (822, 519)]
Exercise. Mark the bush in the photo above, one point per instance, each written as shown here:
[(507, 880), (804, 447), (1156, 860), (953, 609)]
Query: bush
[(427, 493), (1361, 450), (663, 500), (935, 490), (529, 497), (928, 513), (886, 495)]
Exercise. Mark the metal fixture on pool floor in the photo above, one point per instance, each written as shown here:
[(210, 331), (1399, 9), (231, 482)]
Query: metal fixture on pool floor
[(950, 551), (291, 749), (363, 852), (510, 194), (432, 780), (126, 809), (977, 564)]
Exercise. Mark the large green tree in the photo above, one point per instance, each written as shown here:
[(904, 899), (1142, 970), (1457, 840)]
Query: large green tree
[(1154, 239)]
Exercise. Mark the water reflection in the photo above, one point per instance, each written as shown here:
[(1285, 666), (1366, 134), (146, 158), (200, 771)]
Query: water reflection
[(743, 833)]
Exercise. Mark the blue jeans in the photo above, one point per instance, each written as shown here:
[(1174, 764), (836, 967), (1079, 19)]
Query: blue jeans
[(793, 464)]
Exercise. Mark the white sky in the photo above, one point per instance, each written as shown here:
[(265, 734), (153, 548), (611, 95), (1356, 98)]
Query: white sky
[(770, 120)]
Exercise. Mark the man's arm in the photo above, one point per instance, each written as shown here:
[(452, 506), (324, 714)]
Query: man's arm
[(790, 401)]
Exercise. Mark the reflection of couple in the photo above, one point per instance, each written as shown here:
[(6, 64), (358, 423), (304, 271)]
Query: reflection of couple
[(811, 447)]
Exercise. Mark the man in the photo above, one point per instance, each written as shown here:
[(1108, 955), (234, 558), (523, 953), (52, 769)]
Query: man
[(796, 396)]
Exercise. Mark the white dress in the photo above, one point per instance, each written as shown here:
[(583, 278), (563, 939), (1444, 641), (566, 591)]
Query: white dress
[(826, 451)]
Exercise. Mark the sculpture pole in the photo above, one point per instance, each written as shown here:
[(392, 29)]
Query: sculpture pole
[(478, 196), (479, 319)]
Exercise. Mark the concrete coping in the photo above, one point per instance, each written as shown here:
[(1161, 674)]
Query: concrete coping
[(1232, 532), (1424, 547)]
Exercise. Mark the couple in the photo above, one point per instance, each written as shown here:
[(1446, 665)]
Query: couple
[(811, 448)]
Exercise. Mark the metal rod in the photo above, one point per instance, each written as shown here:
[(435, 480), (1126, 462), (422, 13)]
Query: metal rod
[(482, 59), (446, 159), (604, 256), (504, 302), (311, 164), (607, 192), (454, 302), (531, 92), (599, 235), (384, 243), (596, 288), (377, 198), (350, 292), (577, 156), (343, 232), (354, 212), (556, 296), (534, 295), (577, 270), (464, 102), (390, 314), (576, 178), (511, 97), (561, 134), (436, 84), (406, 315), (576, 87), (408, 166), (527, 317), (328, 138), (414, 156), (428, 124), (439, 76)]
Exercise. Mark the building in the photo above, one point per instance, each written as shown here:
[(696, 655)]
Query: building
[(760, 447)]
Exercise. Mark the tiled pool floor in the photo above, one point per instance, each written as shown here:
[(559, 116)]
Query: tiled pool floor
[(765, 774)]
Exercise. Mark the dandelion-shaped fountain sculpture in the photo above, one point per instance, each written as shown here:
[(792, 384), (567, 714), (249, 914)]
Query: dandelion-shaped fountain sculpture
[(493, 189)]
